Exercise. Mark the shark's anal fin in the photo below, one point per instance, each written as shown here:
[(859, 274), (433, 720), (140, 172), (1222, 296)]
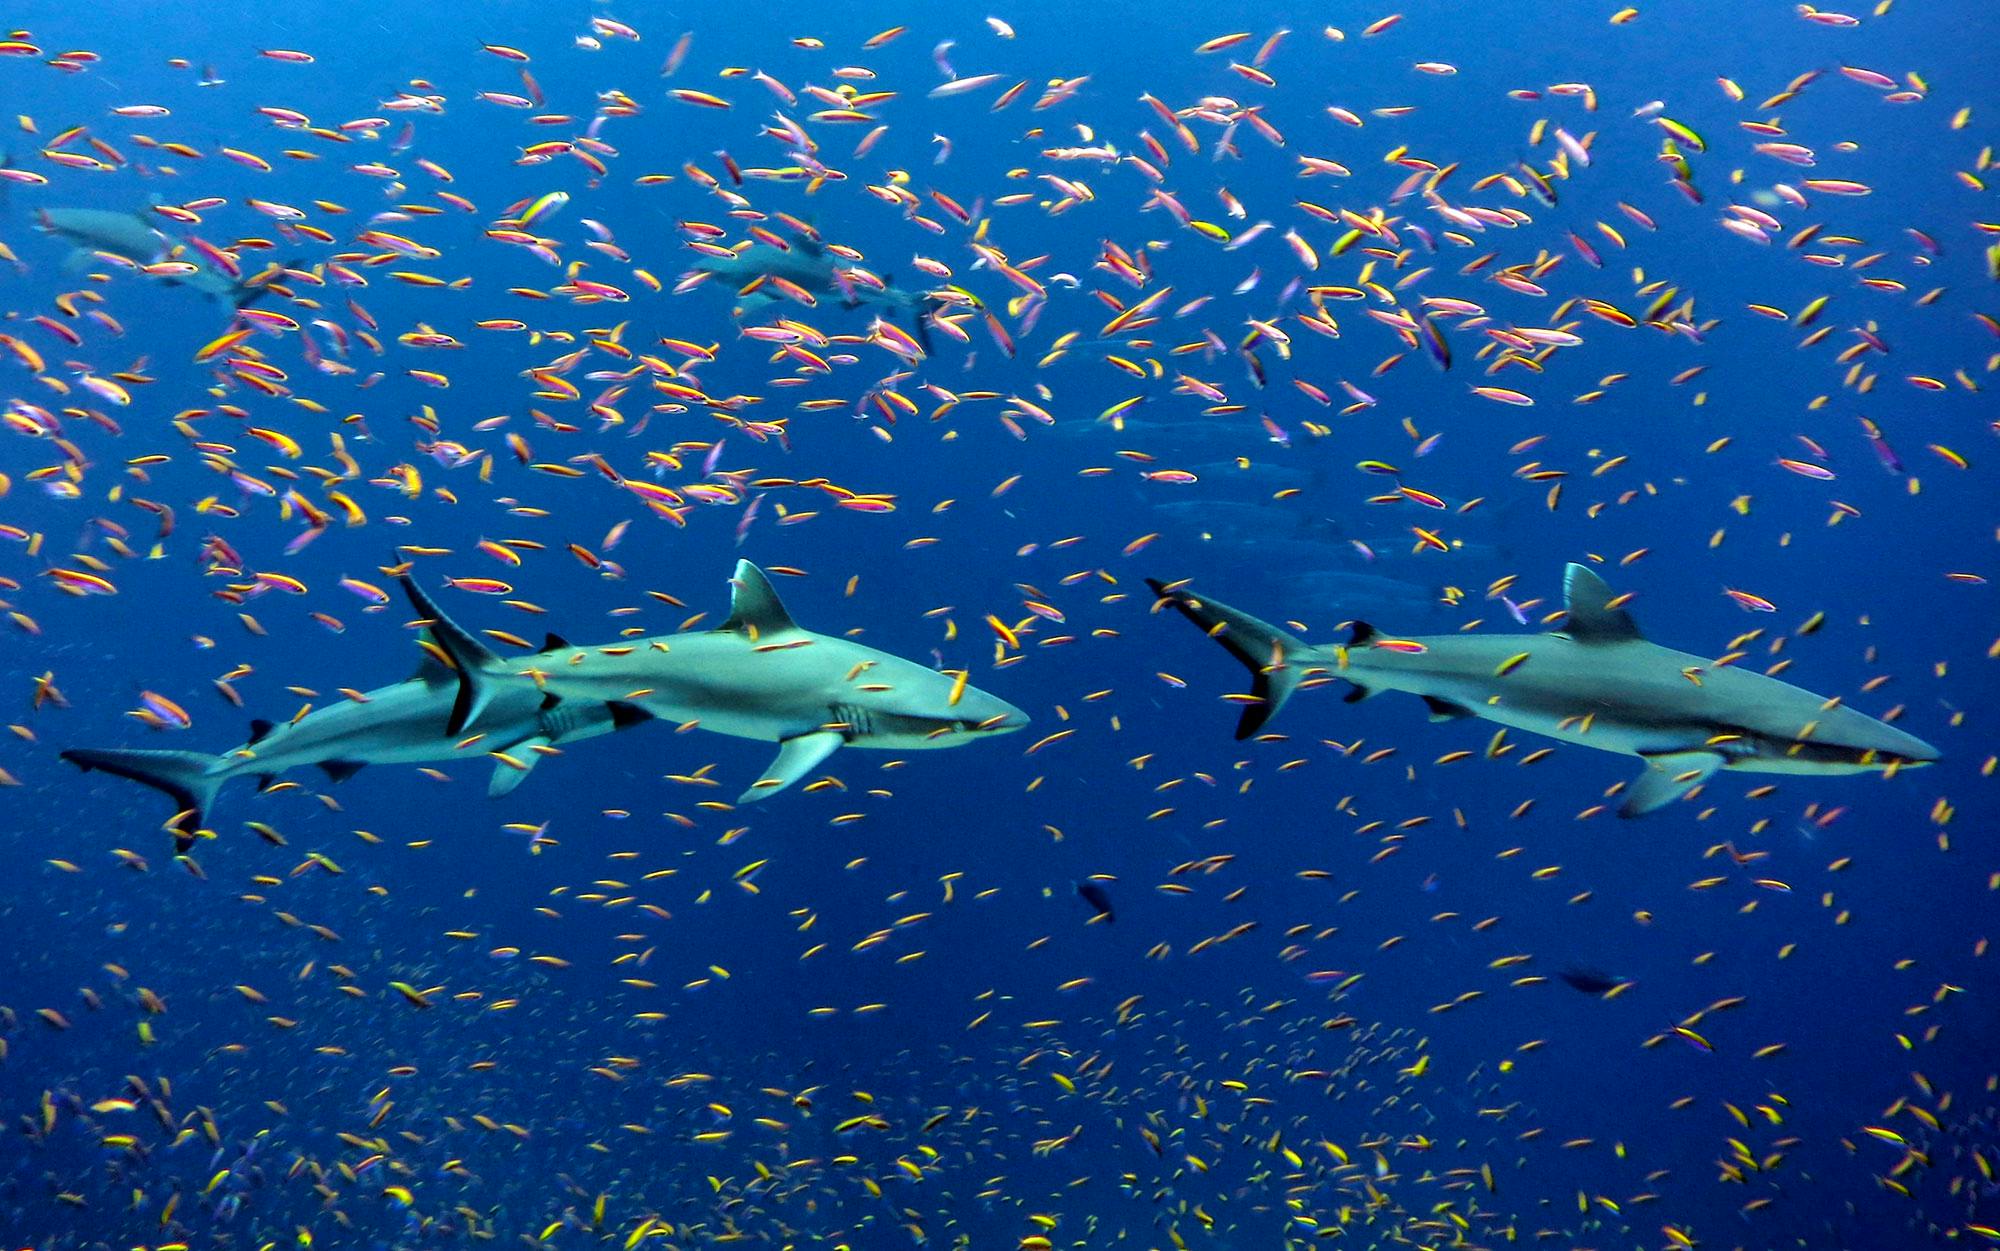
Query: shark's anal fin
[(625, 714), (1594, 614), (1668, 776), (796, 758), (754, 608), (1356, 693), (1445, 710), (341, 770), (475, 662), (512, 771)]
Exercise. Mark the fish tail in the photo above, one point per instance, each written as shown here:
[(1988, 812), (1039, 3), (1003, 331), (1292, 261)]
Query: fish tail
[(192, 778), (248, 293), (1275, 658)]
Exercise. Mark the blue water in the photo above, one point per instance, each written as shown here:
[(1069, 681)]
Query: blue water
[(637, 1068)]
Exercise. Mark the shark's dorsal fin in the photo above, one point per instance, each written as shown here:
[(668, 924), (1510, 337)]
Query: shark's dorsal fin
[(433, 669), (260, 729), (754, 608), (1591, 618), (473, 660)]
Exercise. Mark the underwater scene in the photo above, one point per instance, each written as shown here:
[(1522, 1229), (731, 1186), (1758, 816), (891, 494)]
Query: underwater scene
[(1186, 628)]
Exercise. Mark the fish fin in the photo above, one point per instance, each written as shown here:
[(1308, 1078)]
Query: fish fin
[(549, 700), (78, 260), (192, 778), (434, 672), (1359, 633), (341, 770), (754, 608), (473, 660), (243, 294), (625, 714), (553, 643), (265, 781), (508, 776), (1262, 647), (1591, 620), (1356, 692), (920, 326), (797, 757), (1445, 710), (260, 730), (1668, 776)]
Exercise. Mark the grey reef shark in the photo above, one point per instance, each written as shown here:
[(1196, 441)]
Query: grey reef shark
[(764, 274), (1595, 681), (758, 676), (130, 237)]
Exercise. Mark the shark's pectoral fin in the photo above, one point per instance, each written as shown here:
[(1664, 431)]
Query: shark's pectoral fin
[(1445, 710), (1668, 776), (511, 767), (796, 758), (475, 663), (626, 714), (341, 770)]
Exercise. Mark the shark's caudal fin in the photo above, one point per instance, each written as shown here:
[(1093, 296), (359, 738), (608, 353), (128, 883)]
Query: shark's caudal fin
[(754, 607), (1268, 652), (478, 669), (189, 776)]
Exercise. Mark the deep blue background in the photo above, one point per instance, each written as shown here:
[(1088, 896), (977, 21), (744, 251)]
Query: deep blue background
[(1587, 1113)]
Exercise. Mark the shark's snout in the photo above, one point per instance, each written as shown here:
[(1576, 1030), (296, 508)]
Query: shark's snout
[(989, 714), (1011, 720), (1910, 749)]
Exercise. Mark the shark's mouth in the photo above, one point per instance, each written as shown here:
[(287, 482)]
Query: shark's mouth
[(1809, 752), (853, 722)]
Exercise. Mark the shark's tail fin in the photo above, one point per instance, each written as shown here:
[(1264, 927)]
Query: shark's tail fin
[(1274, 657), (191, 777)]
